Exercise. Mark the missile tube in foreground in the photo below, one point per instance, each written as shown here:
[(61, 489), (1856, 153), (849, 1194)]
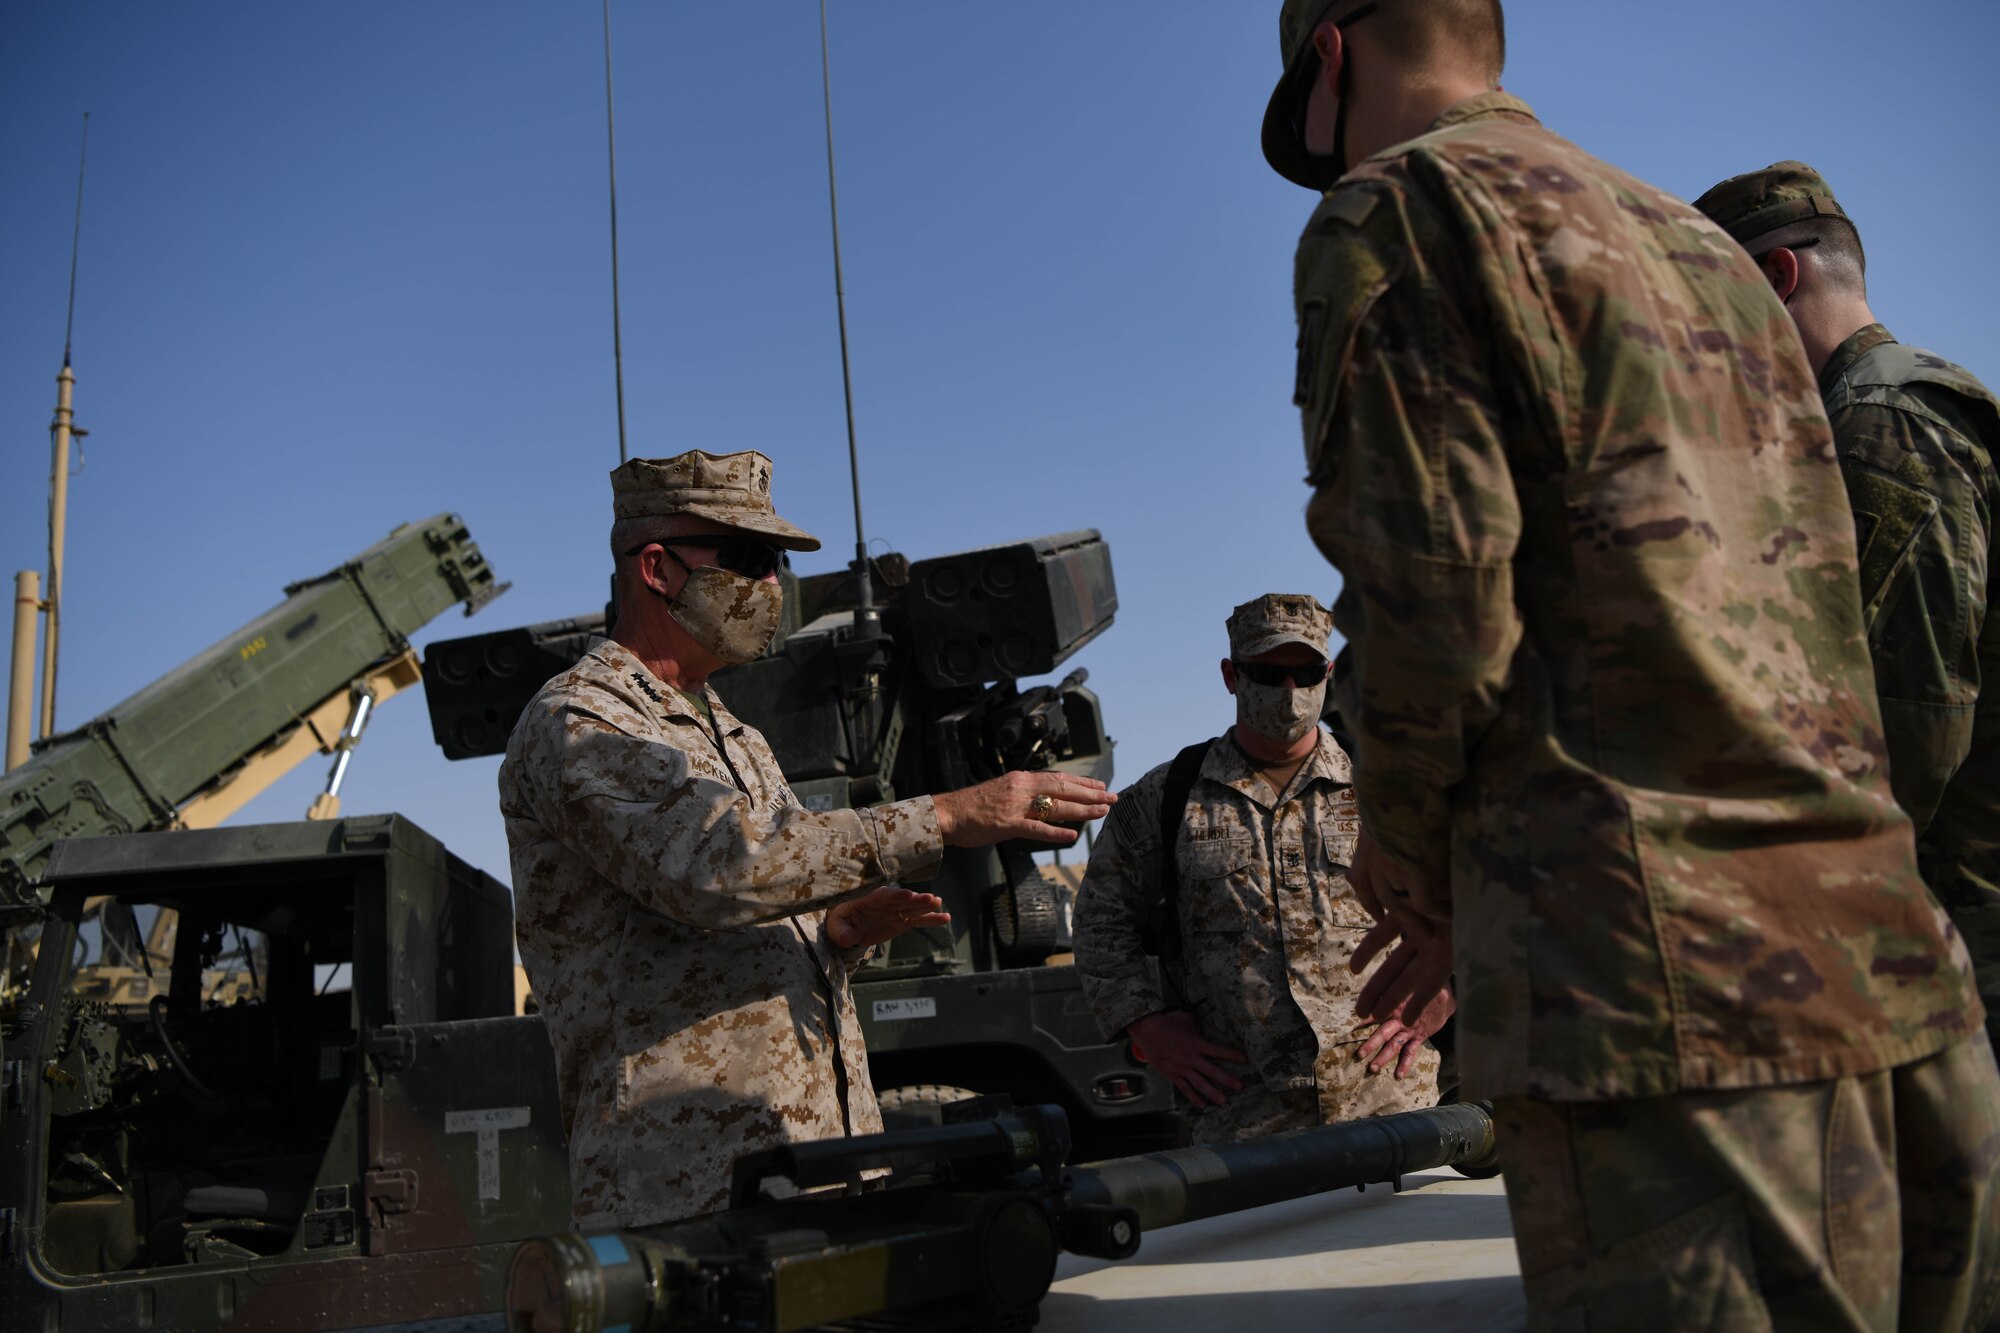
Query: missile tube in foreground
[(975, 1248)]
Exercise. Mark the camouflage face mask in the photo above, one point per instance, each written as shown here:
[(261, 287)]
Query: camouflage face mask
[(1276, 712), (732, 616)]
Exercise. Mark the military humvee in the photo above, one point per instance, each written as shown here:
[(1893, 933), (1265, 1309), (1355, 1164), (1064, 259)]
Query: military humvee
[(361, 1136)]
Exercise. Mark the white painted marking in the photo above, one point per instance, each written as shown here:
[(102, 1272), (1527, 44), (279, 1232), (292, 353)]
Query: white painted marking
[(891, 1011), (487, 1124)]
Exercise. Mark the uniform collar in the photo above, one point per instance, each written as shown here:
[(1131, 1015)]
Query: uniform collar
[(1862, 341), (622, 668), (1486, 106), (1228, 766)]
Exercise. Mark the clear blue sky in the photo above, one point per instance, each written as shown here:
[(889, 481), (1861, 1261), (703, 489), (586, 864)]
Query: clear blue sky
[(346, 266)]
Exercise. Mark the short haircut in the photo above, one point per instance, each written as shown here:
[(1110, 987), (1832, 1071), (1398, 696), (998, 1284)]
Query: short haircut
[(1471, 32), (627, 533), (1833, 251)]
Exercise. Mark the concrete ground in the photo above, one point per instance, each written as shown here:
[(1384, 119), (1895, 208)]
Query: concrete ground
[(1440, 1255)]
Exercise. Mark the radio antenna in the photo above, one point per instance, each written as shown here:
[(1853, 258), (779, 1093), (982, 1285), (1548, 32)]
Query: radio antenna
[(617, 327), (76, 237), (865, 614), (61, 430)]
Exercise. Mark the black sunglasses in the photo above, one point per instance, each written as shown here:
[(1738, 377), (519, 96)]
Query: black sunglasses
[(1270, 673), (739, 555)]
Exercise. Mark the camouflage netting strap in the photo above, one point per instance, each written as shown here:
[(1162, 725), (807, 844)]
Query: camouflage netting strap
[(1181, 775)]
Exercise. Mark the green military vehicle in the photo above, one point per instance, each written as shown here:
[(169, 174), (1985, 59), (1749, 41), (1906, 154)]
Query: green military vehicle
[(360, 1139), (921, 693)]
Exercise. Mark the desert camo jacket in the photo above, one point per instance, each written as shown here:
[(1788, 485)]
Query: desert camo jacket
[(1268, 924), (670, 896), (1606, 667), (1916, 437)]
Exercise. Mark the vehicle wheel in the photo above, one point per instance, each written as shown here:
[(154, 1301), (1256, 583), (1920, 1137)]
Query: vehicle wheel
[(916, 1105)]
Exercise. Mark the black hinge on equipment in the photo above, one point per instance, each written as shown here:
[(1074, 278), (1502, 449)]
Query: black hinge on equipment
[(391, 1048), (391, 1191), (1181, 776)]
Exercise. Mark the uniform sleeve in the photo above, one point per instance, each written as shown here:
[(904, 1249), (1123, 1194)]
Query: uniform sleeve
[(1112, 906), (1923, 532), (1414, 503), (702, 853)]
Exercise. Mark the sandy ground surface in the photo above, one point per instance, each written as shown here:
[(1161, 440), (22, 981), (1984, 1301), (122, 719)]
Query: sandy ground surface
[(1439, 1255)]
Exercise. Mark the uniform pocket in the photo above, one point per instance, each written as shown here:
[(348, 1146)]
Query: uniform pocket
[(1890, 520), (1219, 891), (1696, 1274), (1339, 908)]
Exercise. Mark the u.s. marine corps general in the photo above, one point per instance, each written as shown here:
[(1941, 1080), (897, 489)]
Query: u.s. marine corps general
[(1619, 758), (688, 926), (1916, 437), (1260, 844)]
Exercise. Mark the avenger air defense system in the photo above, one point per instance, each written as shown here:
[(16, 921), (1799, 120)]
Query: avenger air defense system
[(926, 695)]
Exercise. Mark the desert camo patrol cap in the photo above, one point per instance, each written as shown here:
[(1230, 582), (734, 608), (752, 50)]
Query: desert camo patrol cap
[(1757, 202), (727, 488), (1276, 619)]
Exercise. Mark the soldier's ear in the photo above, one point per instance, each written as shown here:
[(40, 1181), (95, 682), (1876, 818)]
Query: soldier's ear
[(1332, 50), (1781, 266)]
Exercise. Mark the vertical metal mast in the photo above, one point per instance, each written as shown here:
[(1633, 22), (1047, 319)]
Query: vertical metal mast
[(865, 615), (60, 432), (617, 327)]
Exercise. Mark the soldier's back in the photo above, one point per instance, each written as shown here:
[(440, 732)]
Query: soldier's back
[(1677, 863)]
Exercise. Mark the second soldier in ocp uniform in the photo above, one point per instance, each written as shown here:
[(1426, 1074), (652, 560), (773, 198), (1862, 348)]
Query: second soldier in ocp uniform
[(1260, 826), (1916, 438)]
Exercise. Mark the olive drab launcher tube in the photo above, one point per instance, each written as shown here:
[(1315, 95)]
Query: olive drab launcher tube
[(974, 1245)]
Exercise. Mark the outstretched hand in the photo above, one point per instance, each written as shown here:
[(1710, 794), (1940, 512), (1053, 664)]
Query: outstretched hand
[(1400, 1039), (878, 917), (1005, 807)]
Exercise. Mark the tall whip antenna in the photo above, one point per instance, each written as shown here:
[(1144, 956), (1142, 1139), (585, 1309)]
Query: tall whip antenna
[(61, 431), (864, 586), (76, 238), (617, 327)]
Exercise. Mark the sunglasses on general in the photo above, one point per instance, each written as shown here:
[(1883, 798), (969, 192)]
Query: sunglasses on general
[(1270, 673), (739, 555)]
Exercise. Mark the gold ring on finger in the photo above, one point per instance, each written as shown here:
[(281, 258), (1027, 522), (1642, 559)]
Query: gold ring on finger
[(1040, 807)]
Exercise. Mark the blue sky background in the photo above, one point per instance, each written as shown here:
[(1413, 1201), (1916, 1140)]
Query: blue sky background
[(346, 266)]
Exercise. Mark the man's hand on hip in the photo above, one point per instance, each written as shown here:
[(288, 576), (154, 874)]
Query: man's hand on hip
[(1030, 806), (1172, 1044), (878, 917)]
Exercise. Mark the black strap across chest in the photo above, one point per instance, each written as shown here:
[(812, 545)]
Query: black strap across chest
[(1181, 776)]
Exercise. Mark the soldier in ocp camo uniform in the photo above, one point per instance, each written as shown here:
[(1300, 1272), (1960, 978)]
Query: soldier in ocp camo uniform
[(1616, 728), (1916, 436), (687, 925), (1267, 921)]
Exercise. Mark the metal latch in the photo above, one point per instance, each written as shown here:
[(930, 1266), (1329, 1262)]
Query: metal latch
[(392, 1191), (391, 1048)]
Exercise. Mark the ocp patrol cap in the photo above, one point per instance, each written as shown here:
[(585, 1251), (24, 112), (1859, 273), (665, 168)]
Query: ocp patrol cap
[(1757, 202), (1284, 149)]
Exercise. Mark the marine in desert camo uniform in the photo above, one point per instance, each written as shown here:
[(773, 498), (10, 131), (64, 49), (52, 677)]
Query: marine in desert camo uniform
[(1916, 437), (1616, 729), (688, 926), (1268, 922)]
